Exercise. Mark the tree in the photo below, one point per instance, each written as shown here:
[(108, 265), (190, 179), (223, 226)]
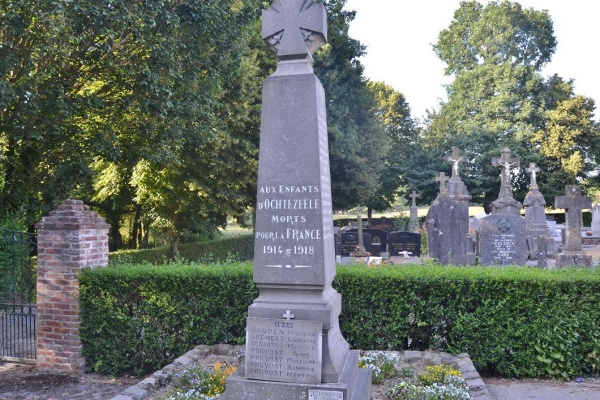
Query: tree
[(357, 141), (393, 111), (498, 97)]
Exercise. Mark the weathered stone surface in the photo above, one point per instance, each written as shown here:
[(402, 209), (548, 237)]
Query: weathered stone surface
[(535, 217), (502, 237), (573, 203), (294, 257), (502, 240), (448, 220)]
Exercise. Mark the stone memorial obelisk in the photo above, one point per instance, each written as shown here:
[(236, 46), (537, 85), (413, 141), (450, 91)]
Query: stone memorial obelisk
[(294, 347)]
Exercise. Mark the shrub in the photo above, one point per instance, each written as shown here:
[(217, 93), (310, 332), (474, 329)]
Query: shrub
[(240, 248), (515, 321)]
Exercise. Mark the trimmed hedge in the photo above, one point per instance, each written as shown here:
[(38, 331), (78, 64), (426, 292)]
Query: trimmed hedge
[(136, 319), (515, 321), (240, 248)]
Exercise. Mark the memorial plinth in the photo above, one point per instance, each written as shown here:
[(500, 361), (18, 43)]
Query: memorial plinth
[(294, 347)]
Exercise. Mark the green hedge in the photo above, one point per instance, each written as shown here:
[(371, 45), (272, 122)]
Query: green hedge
[(240, 248), (518, 322), (136, 319)]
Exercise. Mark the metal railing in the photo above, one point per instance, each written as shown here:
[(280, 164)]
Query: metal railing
[(17, 295)]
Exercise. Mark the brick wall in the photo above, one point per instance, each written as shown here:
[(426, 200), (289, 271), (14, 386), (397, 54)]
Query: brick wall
[(69, 239)]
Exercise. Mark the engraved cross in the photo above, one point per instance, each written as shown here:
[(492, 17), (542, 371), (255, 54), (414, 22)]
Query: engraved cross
[(288, 315), (295, 29)]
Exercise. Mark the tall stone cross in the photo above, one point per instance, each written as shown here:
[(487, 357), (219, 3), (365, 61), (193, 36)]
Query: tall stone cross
[(455, 159), (506, 163), (533, 170), (294, 29), (414, 197), (573, 202), (442, 179)]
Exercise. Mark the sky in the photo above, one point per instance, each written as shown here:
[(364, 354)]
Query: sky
[(399, 35)]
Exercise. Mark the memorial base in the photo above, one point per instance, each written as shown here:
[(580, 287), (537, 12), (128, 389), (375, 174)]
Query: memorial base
[(355, 384), (573, 259)]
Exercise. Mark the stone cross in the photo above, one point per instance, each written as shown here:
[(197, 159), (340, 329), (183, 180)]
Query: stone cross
[(455, 159), (533, 170), (414, 196), (506, 163), (442, 179), (573, 202), (294, 29)]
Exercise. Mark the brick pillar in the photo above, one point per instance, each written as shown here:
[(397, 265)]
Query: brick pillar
[(69, 239)]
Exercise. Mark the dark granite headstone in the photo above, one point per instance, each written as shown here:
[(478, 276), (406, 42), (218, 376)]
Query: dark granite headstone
[(294, 253), (378, 242), (350, 242), (399, 242), (502, 239)]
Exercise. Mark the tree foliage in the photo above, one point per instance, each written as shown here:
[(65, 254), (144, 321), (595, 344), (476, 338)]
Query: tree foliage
[(499, 99)]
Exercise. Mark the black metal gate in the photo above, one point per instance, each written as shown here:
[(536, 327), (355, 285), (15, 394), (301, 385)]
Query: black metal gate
[(17, 295)]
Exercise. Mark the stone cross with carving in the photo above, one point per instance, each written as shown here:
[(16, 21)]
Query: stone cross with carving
[(455, 159), (506, 163), (573, 202), (294, 29), (442, 179), (533, 170), (414, 196)]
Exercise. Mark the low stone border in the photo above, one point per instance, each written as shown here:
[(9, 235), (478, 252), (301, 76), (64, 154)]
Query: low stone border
[(412, 359), (420, 359), (162, 378)]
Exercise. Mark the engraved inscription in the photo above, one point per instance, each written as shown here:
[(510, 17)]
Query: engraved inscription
[(503, 247), (284, 350)]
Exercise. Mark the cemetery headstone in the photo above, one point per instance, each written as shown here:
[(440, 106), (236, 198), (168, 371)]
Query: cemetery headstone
[(414, 213), (350, 243), (573, 203), (535, 215), (502, 239), (400, 242), (596, 218), (448, 220), (378, 241), (294, 347)]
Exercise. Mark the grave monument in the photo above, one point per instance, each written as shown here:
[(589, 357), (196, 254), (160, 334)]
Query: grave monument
[(414, 213), (502, 233), (448, 219), (596, 217), (294, 347), (573, 203), (535, 216)]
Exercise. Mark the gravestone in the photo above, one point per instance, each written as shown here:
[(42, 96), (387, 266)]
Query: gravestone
[(573, 203), (399, 242), (448, 220), (294, 347), (414, 213), (502, 239), (596, 218), (535, 216), (378, 241), (350, 242)]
